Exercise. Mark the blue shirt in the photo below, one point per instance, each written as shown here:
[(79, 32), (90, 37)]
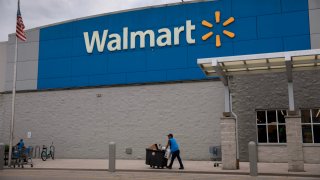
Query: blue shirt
[(174, 146), (21, 144)]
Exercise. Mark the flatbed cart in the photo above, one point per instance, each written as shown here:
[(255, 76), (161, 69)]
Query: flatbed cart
[(156, 158), (215, 155), (22, 157)]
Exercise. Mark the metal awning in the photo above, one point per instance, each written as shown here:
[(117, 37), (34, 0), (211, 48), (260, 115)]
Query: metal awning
[(261, 63)]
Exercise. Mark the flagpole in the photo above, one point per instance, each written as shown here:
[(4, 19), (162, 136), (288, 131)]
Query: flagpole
[(13, 101)]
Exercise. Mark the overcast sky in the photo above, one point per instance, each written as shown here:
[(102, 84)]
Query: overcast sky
[(37, 13)]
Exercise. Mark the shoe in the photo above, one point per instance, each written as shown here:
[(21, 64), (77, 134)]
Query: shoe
[(181, 168), (169, 167)]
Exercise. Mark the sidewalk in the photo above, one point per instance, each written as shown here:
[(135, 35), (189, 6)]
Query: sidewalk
[(205, 167)]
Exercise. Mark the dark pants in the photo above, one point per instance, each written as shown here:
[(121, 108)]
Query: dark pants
[(174, 155)]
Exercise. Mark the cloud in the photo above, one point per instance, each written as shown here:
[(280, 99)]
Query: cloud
[(37, 13)]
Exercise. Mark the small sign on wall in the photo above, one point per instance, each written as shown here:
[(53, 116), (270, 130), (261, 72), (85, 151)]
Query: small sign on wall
[(29, 135)]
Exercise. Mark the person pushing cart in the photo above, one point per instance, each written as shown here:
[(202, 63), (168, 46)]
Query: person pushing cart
[(175, 151)]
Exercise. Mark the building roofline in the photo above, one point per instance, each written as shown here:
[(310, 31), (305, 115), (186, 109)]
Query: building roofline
[(114, 86)]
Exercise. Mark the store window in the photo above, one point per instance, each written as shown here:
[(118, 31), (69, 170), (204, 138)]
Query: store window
[(271, 126), (310, 121)]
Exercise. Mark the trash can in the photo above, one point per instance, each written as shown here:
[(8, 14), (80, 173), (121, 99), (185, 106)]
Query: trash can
[(155, 158)]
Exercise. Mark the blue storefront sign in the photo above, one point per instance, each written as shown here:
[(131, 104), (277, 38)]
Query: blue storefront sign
[(163, 44)]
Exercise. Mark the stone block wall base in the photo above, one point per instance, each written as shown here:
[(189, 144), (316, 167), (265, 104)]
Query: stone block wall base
[(228, 143), (294, 143), (296, 167), (226, 167)]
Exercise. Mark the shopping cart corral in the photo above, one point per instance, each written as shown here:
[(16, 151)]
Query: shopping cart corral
[(21, 157), (215, 155)]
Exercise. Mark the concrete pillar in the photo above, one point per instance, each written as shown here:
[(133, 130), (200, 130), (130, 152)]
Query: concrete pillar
[(1, 156), (112, 157), (294, 142), (253, 158), (228, 142)]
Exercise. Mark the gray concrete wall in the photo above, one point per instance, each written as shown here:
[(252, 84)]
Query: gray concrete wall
[(278, 153), (3, 62), (311, 154), (27, 66), (269, 91), (314, 16), (82, 124), (272, 153)]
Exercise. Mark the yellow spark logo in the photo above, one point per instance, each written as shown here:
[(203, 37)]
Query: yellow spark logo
[(225, 32)]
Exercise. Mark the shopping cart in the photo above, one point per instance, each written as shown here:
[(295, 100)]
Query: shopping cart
[(215, 155), (21, 157)]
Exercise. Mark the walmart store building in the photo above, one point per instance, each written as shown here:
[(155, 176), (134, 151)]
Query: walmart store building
[(133, 76)]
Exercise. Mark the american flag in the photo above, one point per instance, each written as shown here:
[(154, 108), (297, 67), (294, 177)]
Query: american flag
[(20, 26)]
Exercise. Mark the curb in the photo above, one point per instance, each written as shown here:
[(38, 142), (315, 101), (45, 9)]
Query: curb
[(171, 171)]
